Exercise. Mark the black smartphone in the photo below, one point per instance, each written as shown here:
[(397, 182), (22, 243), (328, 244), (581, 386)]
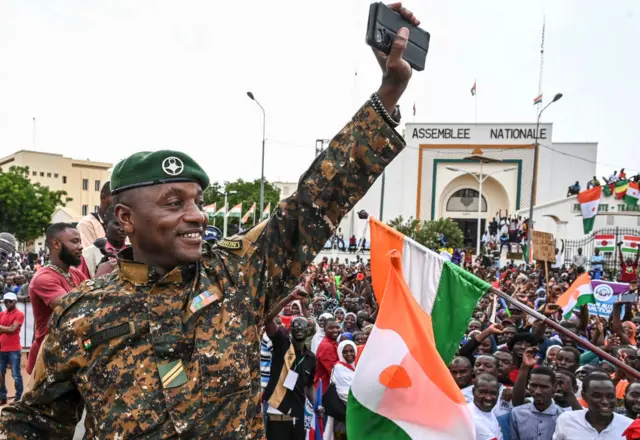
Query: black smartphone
[(382, 28)]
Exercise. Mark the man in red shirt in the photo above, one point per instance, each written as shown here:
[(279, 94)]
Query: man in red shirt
[(10, 349), (327, 354), (54, 281), (628, 267)]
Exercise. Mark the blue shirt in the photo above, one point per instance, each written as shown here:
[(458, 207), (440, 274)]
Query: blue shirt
[(527, 423)]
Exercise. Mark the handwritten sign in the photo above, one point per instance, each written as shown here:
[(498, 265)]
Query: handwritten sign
[(544, 246)]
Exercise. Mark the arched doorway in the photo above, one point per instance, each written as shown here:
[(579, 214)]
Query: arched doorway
[(459, 202)]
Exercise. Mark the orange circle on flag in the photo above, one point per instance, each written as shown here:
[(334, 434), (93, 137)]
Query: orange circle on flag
[(395, 376)]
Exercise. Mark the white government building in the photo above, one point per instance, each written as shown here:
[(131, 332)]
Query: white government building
[(437, 176)]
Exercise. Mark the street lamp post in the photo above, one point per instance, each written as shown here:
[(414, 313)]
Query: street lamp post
[(264, 121), (226, 212), (481, 179), (535, 175)]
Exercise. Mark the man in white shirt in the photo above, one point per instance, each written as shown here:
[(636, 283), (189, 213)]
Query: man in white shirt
[(488, 363), (485, 397), (597, 422)]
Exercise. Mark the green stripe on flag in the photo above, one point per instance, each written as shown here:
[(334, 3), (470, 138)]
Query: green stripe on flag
[(458, 293), (587, 224), (365, 424), (607, 190), (582, 300), (630, 200)]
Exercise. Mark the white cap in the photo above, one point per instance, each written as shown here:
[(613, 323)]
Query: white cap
[(10, 296)]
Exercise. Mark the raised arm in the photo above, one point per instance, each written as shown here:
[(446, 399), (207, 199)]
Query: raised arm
[(338, 178)]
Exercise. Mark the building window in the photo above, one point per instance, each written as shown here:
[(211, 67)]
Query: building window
[(465, 200), (41, 174), (35, 173), (64, 179), (95, 208), (55, 175), (85, 209), (48, 174), (97, 185), (85, 184)]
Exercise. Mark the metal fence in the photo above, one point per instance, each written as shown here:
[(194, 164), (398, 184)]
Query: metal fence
[(587, 243)]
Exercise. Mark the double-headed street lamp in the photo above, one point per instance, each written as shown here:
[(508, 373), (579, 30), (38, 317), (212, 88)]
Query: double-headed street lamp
[(264, 119), (481, 179), (535, 175)]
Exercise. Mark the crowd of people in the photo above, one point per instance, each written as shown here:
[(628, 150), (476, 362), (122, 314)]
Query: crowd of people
[(520, 378), (612, 179)]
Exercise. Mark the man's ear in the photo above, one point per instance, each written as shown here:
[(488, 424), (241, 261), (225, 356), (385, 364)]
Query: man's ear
[(125, 216)]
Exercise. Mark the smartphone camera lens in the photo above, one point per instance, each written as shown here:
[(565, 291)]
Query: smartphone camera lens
[(386, 40), (379, 36)]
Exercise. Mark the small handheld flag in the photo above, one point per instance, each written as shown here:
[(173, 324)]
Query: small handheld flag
[(537, 100), (473, 89)]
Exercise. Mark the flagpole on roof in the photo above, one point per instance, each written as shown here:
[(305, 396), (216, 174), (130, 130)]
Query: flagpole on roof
[(541, 65), (474, 93)]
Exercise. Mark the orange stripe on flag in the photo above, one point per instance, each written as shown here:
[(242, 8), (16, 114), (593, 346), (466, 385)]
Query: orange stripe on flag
[(573, 292), (383, 240), (405, 316)]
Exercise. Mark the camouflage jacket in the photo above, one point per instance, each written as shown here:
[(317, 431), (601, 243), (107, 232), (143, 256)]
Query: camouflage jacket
[(178, 356)]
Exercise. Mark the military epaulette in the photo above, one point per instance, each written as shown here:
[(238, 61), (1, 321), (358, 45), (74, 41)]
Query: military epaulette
[(232, 245)]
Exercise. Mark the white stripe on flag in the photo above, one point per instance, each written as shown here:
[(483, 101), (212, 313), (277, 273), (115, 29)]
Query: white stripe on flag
[(422, 269)]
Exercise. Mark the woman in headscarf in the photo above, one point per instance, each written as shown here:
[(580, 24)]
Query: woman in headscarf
[(350, 323), (346, 336), (339, 315), (550, 357), (319, 336), (341, 376)]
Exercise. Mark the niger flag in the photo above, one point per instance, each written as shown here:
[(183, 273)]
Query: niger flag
[(445, 291), (402, 389)]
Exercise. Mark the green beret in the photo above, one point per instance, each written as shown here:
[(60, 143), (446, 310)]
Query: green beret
[(148, 168)]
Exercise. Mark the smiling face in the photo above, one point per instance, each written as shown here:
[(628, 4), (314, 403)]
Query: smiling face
[(632, 399), (349, 322), (601, 397), (165, 223), (339, 314), (332, 330), (349, 354), (485, 393)]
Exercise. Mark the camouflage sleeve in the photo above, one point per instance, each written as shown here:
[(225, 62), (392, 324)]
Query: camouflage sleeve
[(51, 406), (337, 179)]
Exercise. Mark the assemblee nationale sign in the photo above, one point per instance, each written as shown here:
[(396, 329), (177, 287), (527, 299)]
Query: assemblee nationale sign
[(466, 133)]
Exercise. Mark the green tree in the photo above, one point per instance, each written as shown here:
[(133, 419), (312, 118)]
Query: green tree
[(26, 208), (428, 233)]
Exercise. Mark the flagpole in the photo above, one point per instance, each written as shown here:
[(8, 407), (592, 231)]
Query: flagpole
[(575, 338), (475, 103)]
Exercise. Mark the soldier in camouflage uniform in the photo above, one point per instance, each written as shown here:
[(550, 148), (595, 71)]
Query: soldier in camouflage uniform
[(167, 346)]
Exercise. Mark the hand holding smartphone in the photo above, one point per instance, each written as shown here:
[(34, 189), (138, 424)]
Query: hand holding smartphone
[(382, 28)]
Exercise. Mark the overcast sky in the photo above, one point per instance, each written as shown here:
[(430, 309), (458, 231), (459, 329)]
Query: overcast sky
[(106, 78)]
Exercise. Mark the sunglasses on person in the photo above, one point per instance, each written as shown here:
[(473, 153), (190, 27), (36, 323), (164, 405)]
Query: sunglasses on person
[(8, 301)]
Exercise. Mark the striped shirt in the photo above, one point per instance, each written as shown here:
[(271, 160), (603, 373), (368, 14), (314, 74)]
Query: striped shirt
[(527, 423), (266, 349)]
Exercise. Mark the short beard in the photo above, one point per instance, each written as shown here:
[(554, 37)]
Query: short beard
[(68, 258)]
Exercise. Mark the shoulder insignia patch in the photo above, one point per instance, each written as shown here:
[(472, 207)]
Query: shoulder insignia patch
[(233, 245), (107, 334)]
